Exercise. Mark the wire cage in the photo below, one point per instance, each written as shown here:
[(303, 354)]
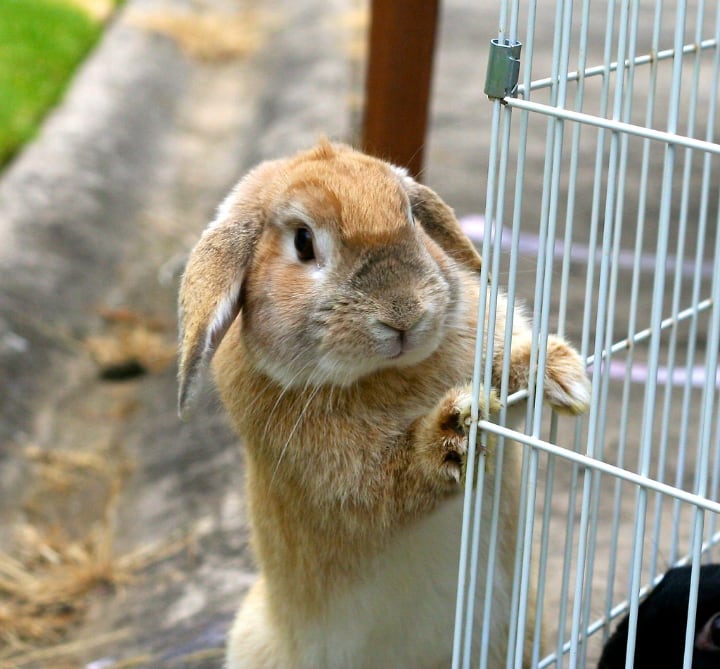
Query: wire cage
[(622, 128)]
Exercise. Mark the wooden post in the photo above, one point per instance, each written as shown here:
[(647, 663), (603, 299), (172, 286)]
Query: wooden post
[(397, 89)]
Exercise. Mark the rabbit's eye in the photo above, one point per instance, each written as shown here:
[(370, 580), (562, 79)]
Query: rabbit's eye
[(304, 244)]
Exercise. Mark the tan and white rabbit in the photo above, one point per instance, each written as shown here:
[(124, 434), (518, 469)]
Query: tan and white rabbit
[(339, 298)]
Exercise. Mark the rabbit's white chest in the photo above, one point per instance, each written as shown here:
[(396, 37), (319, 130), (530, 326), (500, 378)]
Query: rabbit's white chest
[(402, 614)]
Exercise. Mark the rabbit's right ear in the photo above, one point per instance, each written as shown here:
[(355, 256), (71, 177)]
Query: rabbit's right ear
[(439, 221), (210, 292)]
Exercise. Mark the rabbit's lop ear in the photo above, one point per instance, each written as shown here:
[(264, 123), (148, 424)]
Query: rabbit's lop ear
[(438, 221), (211, 291)]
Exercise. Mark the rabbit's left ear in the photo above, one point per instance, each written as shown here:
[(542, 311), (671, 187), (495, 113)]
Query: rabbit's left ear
[(209, 303), (211, 291), (211, 287), (438, 221)]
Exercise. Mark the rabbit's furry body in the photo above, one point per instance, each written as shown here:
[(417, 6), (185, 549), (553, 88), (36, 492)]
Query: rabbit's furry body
[(345, 374)]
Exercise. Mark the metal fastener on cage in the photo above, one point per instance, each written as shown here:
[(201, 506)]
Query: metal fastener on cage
[(503, 69)]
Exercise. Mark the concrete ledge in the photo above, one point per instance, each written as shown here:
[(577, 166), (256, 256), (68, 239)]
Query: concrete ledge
[(67, 204)]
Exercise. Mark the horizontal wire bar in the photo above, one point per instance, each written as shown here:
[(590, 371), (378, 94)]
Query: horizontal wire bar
[(642, 335), (615, 126), (598, 70), (627, 343), (603, 467), (621, 608)]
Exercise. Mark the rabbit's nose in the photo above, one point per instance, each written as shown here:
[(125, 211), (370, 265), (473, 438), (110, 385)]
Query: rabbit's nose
[(402, 320)]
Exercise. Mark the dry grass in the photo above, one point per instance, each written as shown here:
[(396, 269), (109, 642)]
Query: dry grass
[(58, 656), (207, 36), (61, 471), (45, 583), (47, 575), (53, 567)]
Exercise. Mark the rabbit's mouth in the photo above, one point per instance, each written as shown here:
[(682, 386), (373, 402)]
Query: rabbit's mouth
[(408, 348), (403, 346), (345, 370)]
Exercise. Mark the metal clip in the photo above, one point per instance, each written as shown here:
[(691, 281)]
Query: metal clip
[(503, 69)]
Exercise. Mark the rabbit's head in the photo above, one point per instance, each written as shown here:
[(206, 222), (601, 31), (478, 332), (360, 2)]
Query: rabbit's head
[(340, 263), (662, 623)]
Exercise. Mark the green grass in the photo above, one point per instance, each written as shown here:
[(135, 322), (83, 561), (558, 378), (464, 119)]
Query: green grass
[(41, 44)]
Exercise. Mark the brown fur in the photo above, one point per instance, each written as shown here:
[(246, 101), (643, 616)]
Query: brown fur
[(348, 447)]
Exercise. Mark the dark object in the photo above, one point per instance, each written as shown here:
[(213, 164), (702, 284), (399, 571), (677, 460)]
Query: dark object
[(661, 625), (397, 89), (123, 371)]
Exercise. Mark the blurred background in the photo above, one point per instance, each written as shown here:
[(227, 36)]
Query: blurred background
[(123, 540)]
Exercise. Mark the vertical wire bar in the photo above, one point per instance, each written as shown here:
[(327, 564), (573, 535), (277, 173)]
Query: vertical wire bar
[(567, 559), (701, 474), (562, 312), (576, 638), (467, 532), (709, 549), (677, 288), (546, 305), (656, 317), (468, 494), (632, 320), (473, 568), (494, 521), (505, 375), (712, 107), (632, 317), (573, 168), (614, 217), (511, 295), (572, 493), (489, 357), (520, 178), (543, 289), (491, 312), (697, 279), (542, 563), (517, 563), (500, 444), (698, 522)]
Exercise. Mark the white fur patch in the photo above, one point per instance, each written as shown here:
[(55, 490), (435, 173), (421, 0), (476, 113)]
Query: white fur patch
[(402, 614), (575, 395), (222, 213), (225, 314)]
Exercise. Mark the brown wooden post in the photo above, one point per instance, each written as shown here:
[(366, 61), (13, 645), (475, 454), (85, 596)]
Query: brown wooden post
[(397, 89)]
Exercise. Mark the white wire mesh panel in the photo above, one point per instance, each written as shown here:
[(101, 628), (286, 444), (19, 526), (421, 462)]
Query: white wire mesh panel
[(628, 268)]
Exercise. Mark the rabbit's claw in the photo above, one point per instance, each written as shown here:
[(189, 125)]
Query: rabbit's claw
[(456, 425)]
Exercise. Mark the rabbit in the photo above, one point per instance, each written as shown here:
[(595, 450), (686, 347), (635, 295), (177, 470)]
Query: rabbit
[(662, 618), (337, 299)]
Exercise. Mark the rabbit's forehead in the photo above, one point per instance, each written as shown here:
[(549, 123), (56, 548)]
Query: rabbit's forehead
[(365, 204)]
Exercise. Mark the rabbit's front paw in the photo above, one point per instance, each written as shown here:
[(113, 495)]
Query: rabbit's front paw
[(567, 387), (454, 424)]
